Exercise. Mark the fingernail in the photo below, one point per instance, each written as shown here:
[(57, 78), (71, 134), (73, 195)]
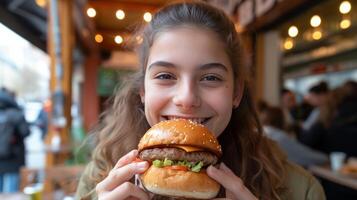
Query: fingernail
[(134, 152), (142, 165)]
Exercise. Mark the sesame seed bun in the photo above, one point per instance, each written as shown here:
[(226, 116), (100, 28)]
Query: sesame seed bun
[(180, 132)]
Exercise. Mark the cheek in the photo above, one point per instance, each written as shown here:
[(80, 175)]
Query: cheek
[(155, 100), (221, 99)]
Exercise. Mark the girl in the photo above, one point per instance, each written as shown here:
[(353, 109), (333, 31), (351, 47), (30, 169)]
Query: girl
[(192, 67)]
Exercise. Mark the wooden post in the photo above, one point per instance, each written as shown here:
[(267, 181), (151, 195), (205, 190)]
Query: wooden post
[(91, 65), (67, 44)]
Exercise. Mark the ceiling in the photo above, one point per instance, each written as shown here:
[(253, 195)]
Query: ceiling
[(29, 19), (109, 26)]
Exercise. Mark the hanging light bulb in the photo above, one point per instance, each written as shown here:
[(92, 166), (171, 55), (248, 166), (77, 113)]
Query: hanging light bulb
[(118, 39), (316, 35), (293, 31), (120, 14), (98, 38), (288, 44), (345, 7), (147, 16), (41, 3), (344, 24), (91, 12), (315, 21)]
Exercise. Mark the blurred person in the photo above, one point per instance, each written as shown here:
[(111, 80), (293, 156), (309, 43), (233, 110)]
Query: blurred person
[(13, 130), (42, 118), (274, 127), (261, 106), (316, 97), (293, 113), (336, 127), (289, 106)]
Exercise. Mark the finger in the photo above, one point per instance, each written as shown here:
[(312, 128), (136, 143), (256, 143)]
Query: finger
[(118, 176), (223, 177), (221, 199), (126, 159), (233, 184), (127, 190), (224, 168)]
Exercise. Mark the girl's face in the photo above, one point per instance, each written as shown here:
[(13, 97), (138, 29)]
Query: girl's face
[(189, 75)]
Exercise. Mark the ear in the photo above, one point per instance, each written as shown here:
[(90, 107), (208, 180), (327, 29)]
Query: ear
[(238, 94), (142, 94)]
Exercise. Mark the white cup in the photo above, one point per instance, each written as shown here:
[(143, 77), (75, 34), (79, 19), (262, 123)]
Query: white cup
[(337, 159)]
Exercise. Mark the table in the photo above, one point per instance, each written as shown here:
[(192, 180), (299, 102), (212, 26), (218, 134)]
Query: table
[(14, 196), (335, 177)]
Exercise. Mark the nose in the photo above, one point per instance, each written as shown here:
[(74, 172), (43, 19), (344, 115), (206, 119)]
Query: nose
[(187, 96)]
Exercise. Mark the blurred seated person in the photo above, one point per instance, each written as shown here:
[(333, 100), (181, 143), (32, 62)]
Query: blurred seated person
[(336, 128), (274, 125), (289, 106), (316, 97)]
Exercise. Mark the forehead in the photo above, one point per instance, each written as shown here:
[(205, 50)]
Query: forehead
[(188, 46)]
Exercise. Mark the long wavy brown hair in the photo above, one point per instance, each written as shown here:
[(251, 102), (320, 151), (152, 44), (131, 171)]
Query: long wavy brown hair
[(257, 161)]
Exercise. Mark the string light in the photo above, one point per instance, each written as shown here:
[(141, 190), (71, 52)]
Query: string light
[(288, 44), (293, 31), (120, 14), (345, 7), (344, 24), (98, 38), (147, 16), (315, 21), (91, 12), (316, 35), (118, 39), (41, 3), (139, 39)]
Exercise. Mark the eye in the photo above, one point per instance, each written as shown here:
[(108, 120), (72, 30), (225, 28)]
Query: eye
[(164, 76), (211, 78)]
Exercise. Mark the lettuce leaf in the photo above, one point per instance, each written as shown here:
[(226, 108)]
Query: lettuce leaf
[(192, 166)]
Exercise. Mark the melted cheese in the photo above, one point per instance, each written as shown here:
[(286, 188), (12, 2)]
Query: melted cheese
[(187, 148)]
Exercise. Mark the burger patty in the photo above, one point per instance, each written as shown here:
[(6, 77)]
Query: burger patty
[(178, 154)]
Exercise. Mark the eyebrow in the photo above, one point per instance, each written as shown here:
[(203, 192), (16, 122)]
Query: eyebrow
[(203, 67)]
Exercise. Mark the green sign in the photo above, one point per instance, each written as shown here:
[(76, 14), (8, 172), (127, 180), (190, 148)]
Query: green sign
[(109, 79)]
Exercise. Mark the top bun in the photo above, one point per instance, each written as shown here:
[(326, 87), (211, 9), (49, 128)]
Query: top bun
[(180, 132)]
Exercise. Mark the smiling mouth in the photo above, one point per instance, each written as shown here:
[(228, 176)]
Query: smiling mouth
[(193, 119)]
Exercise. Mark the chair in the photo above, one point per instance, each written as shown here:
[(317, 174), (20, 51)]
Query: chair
[(63, 178), (28, 176)]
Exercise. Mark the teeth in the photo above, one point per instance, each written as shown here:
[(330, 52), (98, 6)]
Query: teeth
[(196, 120)]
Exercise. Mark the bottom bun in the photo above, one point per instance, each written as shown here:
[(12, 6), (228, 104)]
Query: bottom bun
[(175, 183)]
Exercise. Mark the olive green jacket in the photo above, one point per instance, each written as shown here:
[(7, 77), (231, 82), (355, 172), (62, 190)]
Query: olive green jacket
[(299, 183)]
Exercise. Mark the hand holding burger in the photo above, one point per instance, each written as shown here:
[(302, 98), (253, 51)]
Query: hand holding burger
[(179, 151)]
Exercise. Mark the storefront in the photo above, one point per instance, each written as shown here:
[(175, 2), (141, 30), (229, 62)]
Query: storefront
[(320, 45), (299, 43)]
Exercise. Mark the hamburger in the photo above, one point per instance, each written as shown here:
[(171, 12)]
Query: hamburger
[(179, 152)]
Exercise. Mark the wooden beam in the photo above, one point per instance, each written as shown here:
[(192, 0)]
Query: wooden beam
[(114, 31), (20, 27), (125, 6), (84, 28), (280, 12)]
